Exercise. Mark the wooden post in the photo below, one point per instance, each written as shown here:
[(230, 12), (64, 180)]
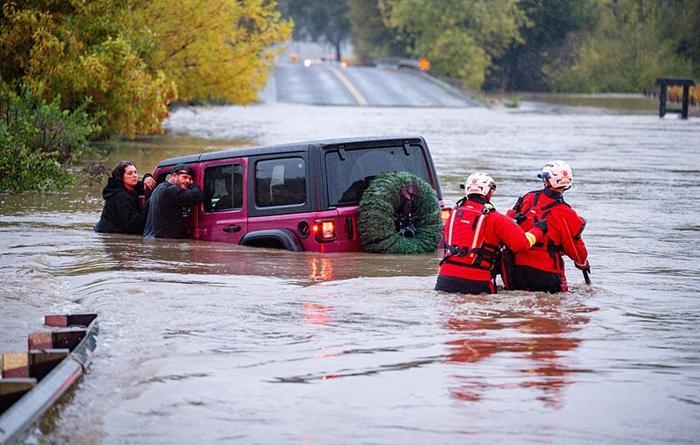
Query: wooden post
[(67, 339), (11, 390), (662, 100), (41, 362), (64, 321), (15, 365), (663, 83)]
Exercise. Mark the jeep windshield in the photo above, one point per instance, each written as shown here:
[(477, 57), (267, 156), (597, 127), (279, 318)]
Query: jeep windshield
[(349, 172)]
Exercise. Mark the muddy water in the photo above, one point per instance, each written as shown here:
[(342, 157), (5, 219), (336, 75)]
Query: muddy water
[(213, 343)]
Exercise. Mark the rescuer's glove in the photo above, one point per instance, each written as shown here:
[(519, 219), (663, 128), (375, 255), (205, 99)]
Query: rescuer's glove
[(519, 218), (584, 267)]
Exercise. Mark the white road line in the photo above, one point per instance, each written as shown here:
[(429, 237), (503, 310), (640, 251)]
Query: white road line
[(350, 87)]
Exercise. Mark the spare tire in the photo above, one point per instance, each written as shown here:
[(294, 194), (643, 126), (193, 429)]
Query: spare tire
[(399, 213)]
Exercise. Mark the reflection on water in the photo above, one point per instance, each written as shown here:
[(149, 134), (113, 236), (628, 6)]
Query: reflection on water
[(205, 342), (128, 252), (317, 313), (538, 336), (321, 269)]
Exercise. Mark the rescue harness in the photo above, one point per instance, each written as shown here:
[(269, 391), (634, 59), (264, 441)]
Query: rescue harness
[(527, 217), (467, 248)]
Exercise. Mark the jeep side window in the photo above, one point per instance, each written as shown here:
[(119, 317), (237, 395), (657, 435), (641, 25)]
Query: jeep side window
[(223, 187), (280, 182)]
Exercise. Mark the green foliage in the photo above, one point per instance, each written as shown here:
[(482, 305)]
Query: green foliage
[(511, 102), (78, 50), (381, 201), (119, 61), (553, 26), (682, 21), (630, 46), (130, 57), (371, 37), (459, 37), (38, 140), (319, 20), (535, 45)]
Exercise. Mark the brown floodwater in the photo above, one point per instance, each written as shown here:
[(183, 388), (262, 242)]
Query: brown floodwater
[(213, 343)]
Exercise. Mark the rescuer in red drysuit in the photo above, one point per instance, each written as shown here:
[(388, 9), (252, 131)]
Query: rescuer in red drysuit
[(541, 268), (473, 234)]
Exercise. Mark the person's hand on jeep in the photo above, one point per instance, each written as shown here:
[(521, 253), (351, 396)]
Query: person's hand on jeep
[(148, 182)]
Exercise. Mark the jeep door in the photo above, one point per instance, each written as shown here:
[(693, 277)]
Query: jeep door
[(223, 215)]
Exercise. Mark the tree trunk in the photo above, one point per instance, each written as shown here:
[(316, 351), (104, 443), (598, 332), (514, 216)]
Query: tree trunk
[(337, 51)]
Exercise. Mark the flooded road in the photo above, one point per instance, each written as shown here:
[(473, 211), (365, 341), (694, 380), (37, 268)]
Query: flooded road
[(213, 343), (329, 84)]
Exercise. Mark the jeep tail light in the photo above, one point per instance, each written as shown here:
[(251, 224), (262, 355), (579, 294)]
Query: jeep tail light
[(445, 214), (324, 230)]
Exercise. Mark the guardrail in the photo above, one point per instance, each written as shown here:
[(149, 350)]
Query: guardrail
[(399, 62), (32, 381)]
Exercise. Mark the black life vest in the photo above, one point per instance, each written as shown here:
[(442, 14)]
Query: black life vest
[(464, 236)]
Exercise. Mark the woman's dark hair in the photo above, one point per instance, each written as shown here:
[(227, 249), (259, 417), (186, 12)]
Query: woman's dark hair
[(118, 172)]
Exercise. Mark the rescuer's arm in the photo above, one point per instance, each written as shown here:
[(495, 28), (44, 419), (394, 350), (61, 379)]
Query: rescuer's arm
[(516, 208), (517, 240), (571, 227)]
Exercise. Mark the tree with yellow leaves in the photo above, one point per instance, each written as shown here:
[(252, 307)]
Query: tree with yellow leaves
[(214, 49), (77, 67), (76, 51), (132, 58)]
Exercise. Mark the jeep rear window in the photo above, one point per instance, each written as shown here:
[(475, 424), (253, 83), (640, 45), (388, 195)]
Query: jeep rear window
[(280, 182), (349, 177)]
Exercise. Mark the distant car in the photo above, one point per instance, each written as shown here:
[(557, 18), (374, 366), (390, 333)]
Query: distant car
[(301, 196)]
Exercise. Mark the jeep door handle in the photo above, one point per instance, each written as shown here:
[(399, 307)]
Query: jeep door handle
[(232, 228)]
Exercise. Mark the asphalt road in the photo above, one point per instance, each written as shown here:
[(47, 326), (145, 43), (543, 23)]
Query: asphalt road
[(329, 84)]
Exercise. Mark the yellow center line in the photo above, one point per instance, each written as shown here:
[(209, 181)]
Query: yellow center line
[(359, 98)]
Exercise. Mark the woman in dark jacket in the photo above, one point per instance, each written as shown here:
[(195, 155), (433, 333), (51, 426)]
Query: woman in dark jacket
[(123, 212)]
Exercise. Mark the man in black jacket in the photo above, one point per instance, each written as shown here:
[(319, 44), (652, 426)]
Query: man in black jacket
[(166, 203), (123, 212)]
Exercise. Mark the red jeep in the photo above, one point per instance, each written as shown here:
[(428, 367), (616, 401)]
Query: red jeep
[(301, 196)]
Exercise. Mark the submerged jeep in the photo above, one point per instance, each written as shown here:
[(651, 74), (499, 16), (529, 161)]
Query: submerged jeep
[(301, 196)]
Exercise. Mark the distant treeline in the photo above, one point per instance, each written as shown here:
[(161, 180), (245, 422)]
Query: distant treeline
[(72, 70), (528, 45)]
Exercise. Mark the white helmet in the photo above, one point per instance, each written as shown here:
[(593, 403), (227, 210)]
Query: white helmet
[(557, 174), (480, 183)]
